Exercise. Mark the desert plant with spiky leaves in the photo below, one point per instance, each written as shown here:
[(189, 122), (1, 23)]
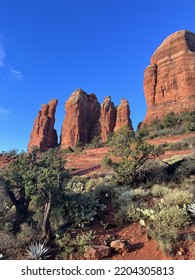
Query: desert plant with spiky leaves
[(191, 208), (38, 251)]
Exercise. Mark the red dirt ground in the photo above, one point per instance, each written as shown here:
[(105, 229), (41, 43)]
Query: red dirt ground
[(142, 247), (89, 162)]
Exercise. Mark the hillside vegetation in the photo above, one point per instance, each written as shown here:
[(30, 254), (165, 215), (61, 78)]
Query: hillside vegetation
[(43, 206)]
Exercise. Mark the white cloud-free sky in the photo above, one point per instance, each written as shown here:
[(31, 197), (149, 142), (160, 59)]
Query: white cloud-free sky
[(49, 48)]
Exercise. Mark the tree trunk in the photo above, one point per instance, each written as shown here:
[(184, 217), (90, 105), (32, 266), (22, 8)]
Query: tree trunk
[(46, 228)]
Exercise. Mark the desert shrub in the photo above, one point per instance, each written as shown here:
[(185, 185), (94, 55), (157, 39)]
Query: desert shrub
[(183, 170), (140, 192), (26, 234), (171, 124), (76, 184), (92, 183), (11, 153), (8, 245), (127, 214), (159, 190), (165, 226), (154, 172), (105, 191), (130, 153), (123, 197), (67, 151), (95, 143), (80, 209), (177, 197), (72, 247), (170, 120)]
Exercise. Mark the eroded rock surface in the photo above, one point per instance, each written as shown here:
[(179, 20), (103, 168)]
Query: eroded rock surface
[(82, 114), (107, 118), (169, 80), (43, 134), (85, 118), (123, 115)]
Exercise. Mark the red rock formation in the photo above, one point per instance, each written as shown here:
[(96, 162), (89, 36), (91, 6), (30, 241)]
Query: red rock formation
[(123, 115), (107, 119), (43, 134), (82, 113), (85, 118), (169, 80)]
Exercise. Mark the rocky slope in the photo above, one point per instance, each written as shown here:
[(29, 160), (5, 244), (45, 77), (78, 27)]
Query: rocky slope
[(169, 80)]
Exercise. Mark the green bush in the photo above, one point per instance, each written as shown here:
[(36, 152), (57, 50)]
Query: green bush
[(130, 153), (72, 247), (95, 143), (165, 226), (177, 197), (92, 183), (77, 184), (67, 151), (105, 191), (171, 124), (80, 209), (159, 190), (127, 214), (8, 245)]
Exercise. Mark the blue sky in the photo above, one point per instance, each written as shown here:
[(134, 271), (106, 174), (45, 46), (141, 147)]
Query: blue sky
[(49, 48)]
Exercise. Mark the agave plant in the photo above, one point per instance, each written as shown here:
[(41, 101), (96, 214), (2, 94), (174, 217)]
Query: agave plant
[(191, 208), (38, 251)]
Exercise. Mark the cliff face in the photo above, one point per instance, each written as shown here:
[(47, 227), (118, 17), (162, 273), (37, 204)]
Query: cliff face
[(82, 113), (169, 80), (43, 134), (85, 118)]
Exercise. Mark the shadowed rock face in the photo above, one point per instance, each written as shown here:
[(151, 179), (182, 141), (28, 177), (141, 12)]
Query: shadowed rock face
[(43, 134), (169, 80)]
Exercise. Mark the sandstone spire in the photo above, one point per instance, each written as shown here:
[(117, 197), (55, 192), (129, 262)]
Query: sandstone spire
[(107, 118), (82, 113), (123, 115), (43, 134)]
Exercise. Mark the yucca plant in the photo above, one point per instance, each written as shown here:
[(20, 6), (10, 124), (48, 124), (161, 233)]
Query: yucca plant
[(38, 251), (191, 208)]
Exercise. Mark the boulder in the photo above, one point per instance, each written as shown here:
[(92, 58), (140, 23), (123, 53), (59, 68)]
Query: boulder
[(169, 80), (97, 252), (43, 134), (120, 246)]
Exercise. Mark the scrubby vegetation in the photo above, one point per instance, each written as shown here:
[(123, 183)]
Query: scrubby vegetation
[(47, 213), (171, 124)]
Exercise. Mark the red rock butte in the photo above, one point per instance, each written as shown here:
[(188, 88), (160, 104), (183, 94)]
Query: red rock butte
[(169, 86), (169, 80), (85, 119)]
